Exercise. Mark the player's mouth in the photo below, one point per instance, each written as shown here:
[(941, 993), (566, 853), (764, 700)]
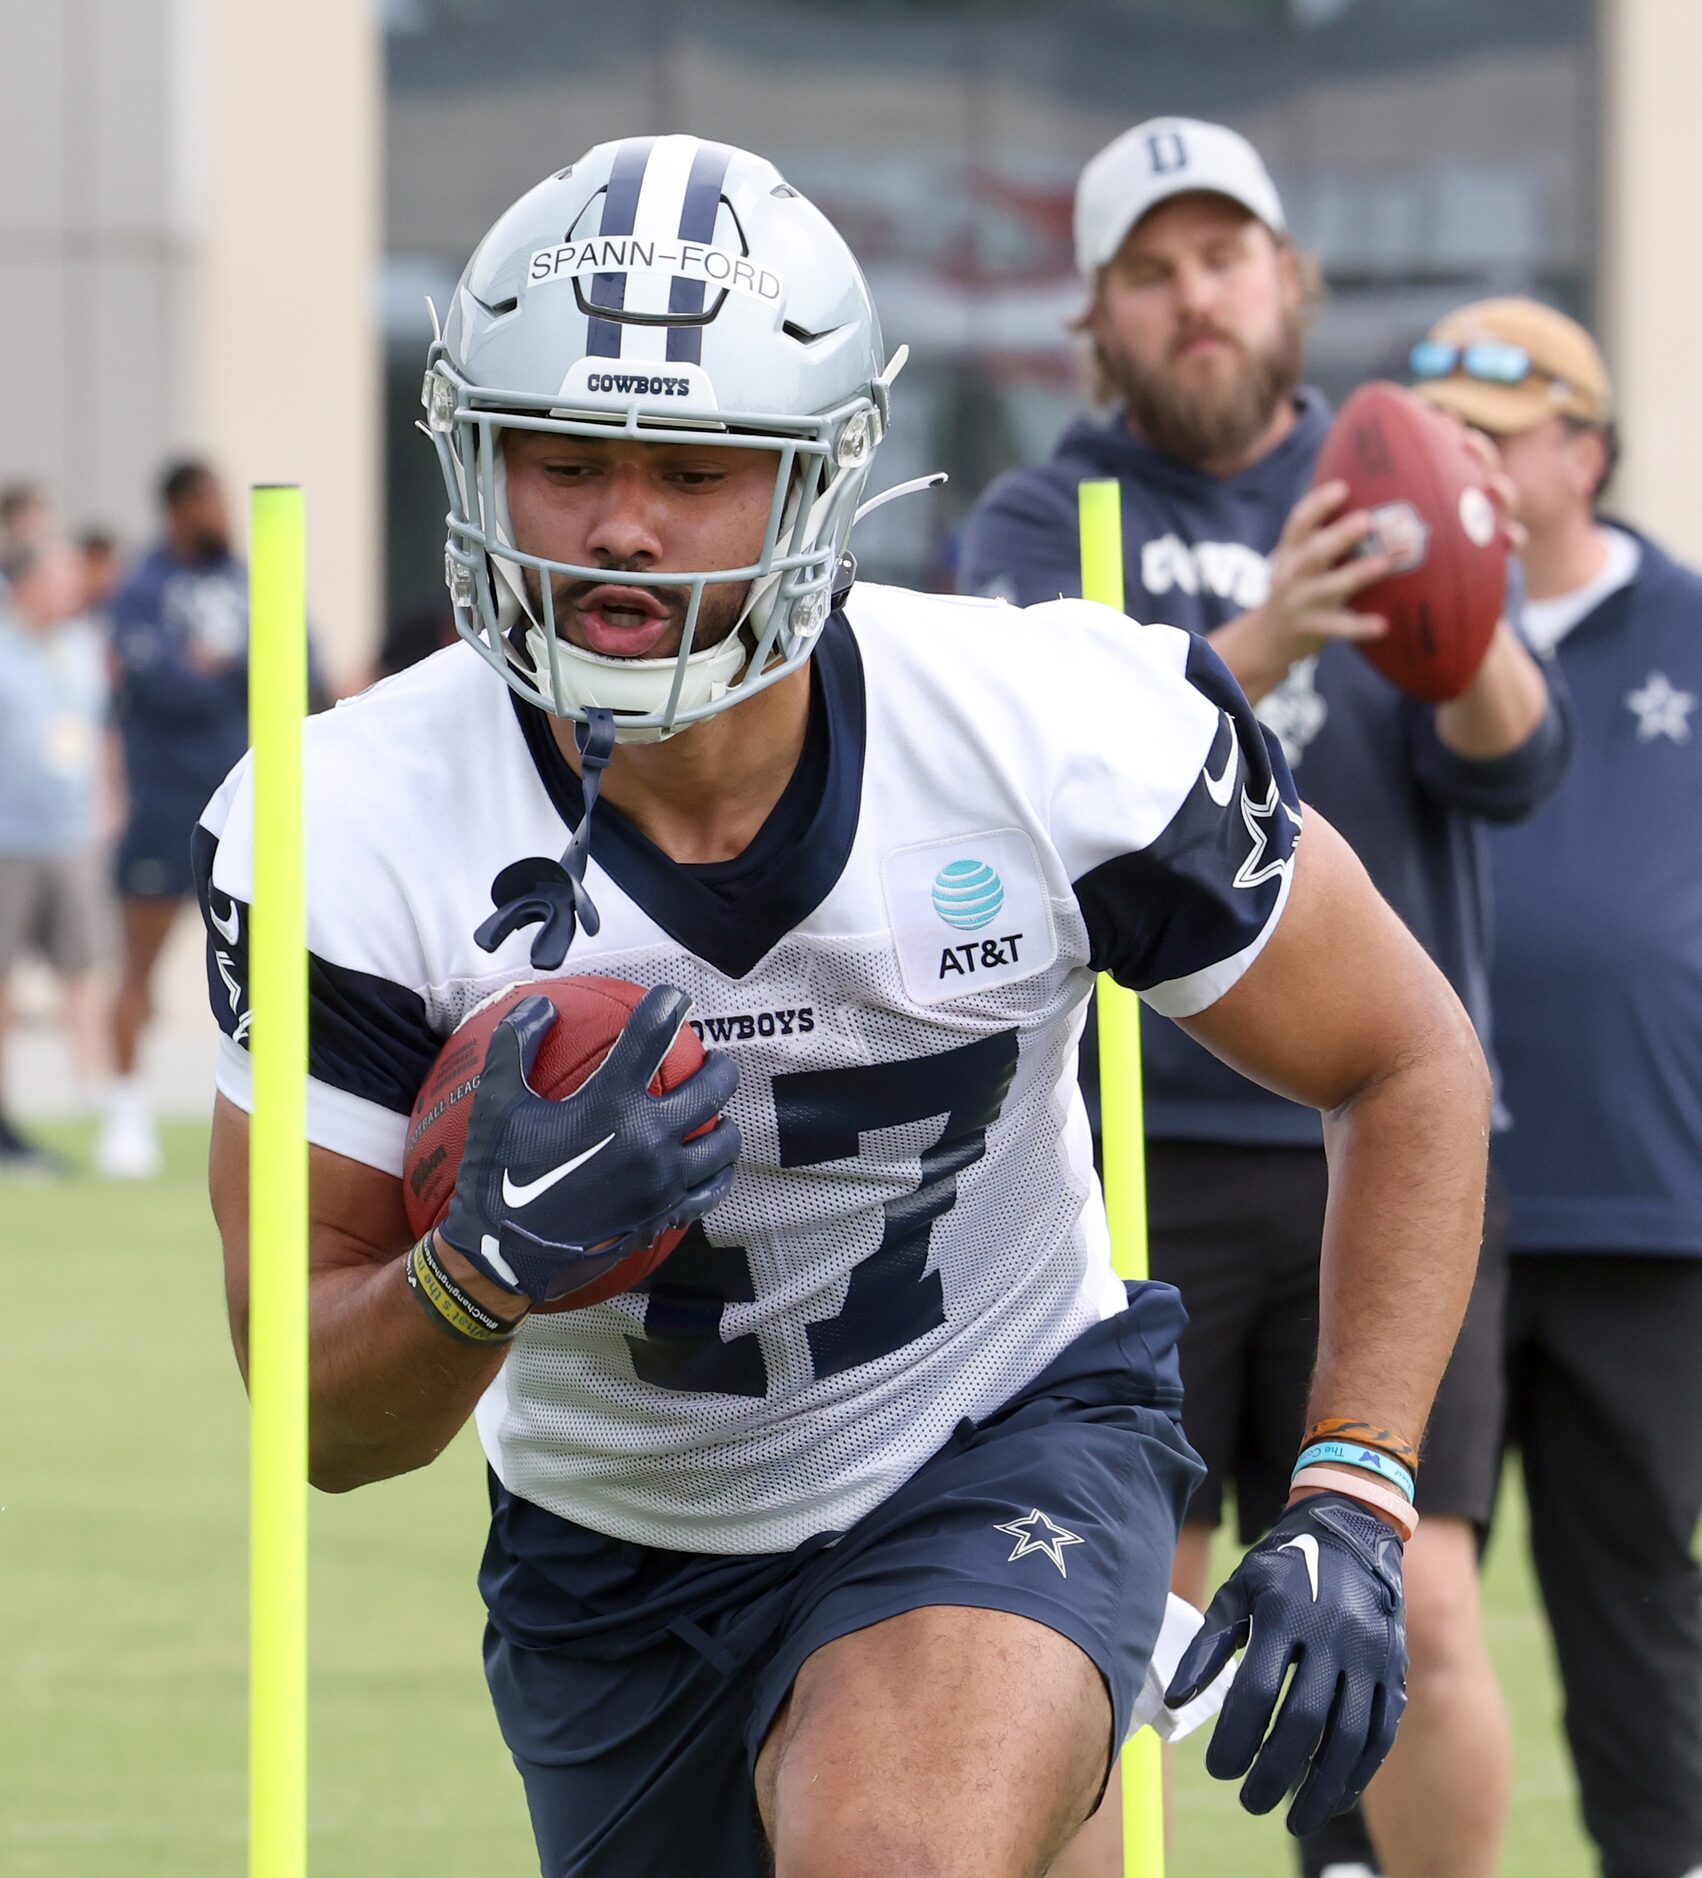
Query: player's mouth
[(1204, 345), (623, 622)]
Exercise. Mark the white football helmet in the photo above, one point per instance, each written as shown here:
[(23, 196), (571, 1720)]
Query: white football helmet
[(671, 290)]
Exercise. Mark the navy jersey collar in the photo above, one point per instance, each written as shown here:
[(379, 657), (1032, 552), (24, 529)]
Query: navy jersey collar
[(734, 914)]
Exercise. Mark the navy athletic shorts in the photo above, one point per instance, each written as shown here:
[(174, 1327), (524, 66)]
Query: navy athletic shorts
[(635, 1686), (152, 858)]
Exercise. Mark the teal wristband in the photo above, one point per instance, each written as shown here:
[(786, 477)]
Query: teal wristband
[(1351, 1454)]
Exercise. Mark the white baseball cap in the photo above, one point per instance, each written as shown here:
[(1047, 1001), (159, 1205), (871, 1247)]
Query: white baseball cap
[(1164, 157)]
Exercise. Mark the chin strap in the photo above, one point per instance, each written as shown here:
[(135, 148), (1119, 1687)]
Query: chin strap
[(552, 895)]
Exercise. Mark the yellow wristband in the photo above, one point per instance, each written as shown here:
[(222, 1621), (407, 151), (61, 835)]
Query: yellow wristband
[(451, 1308)]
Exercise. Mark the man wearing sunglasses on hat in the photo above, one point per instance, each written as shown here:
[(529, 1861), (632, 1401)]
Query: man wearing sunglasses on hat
[(1199, 301), (1598, 1022)]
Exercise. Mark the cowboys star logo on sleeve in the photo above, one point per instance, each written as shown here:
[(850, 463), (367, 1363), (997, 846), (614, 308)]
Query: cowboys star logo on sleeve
[(1266, 860)]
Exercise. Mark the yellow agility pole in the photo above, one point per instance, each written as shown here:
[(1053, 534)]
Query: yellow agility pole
[(277, 1205), (1122, 1137)]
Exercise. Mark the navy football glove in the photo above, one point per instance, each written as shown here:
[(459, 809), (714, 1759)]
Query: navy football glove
[(553, 1193), (1321, 1594)]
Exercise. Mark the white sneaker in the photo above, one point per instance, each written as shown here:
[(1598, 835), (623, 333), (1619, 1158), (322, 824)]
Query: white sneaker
[(128, 1148)]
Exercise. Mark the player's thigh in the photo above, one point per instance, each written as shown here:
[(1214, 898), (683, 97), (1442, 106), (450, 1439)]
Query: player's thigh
[(633, 1763), (146, 924), (945, 1741), (77, 916), (1190, 1575), (20, 878), (1444, 1620), (151, 864), (1609, 1407)]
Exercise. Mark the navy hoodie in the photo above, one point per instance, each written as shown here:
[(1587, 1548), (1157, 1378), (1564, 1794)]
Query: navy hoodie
[(1598, 969), (1196, 550)]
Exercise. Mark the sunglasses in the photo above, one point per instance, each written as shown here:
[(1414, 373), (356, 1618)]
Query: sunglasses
[(1490, 361)]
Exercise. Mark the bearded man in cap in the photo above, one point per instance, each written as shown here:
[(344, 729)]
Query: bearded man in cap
[(1199, 302), (1598, 1020)]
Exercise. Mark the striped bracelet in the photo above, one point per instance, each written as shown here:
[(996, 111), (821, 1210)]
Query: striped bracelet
[(1354, 1454), (1367, 1491), (1366, 1434), (451, 1308)]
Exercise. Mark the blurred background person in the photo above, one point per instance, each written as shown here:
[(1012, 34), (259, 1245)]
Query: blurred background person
[(1200, 302), (53, 896), (102, 568), (180, 661), (26, 517), (1598, 1021)]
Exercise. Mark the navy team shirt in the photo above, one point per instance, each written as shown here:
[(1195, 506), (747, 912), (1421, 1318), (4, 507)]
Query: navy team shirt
[(1196, 550), (1598, 970), (180, 649)]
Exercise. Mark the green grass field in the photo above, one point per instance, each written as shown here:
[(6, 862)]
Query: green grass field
[(123, 1584)]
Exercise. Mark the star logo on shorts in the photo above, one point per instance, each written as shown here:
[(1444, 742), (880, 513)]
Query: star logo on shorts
[(1026, 1533)]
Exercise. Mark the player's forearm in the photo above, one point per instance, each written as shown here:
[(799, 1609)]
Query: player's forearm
[(1248, 647), (1502, 705), (389, 1390), (1407, 1166)]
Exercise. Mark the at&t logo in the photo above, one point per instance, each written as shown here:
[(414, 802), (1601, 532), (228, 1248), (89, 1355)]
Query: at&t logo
[(968, 895)]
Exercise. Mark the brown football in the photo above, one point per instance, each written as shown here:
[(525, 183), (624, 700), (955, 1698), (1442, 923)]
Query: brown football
[(593, 1013), (1429, 497)]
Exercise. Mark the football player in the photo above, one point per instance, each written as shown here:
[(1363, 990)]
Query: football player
[(841, 1544)]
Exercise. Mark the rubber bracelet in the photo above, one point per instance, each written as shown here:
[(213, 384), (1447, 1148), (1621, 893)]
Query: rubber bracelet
[(1366, 1490), (1353, 1454), (450, 1307), (1343, 1428)]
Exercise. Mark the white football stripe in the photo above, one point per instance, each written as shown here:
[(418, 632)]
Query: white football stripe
[(661, 202)]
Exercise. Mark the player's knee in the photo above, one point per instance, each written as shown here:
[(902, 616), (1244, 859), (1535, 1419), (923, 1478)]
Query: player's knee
[(856, 1837), (1444, 1612)]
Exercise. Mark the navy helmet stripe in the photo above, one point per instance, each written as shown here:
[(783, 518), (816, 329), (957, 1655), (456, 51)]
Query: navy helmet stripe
[(620, 207), (685, 343), (703, 192), (698, 215)]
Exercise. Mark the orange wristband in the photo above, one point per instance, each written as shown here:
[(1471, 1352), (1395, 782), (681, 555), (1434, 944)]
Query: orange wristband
[(1343, 1428), (1365, 1488)]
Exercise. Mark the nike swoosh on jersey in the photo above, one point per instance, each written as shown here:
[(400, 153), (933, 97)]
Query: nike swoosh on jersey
[(529, 1190), (227, 929), (1221, 788), (1307, 1547)]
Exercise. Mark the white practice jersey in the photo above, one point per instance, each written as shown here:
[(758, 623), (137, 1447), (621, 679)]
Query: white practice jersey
[(994, 804)]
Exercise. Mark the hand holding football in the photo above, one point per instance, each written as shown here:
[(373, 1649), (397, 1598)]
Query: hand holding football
[(593, 1012), (1432, 502)]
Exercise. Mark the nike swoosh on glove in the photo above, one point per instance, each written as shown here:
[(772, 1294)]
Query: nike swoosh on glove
[(1320, 1594), (555, 1192)]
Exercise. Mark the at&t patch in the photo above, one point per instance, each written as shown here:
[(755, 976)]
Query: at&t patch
[(968, 914)]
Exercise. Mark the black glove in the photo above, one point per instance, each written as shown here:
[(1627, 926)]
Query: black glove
[(1321, 1592), (553, 1193)]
